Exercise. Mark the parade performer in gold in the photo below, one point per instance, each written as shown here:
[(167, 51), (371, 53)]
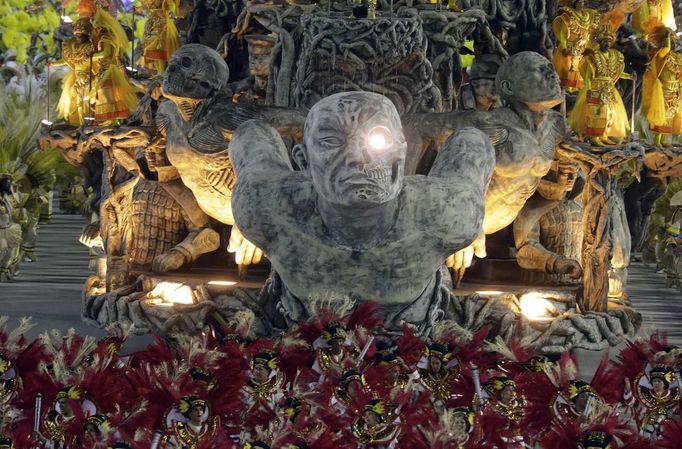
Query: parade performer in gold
[(97, 85), (572, 28), (77, 52), (653, 14), (662, 88), (161, 37), (599, 112)]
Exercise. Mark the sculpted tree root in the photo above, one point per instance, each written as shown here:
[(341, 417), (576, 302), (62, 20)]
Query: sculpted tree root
[(570, 330), (338, 55), (130, 306)]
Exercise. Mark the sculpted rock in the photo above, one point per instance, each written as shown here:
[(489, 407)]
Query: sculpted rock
[(349, 222)]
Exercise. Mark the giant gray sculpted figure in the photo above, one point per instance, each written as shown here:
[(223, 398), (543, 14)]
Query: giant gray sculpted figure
[(349, 222), (525, 133)]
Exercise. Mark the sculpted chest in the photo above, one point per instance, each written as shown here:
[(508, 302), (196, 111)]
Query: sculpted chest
[(526, 152), (202, 162)]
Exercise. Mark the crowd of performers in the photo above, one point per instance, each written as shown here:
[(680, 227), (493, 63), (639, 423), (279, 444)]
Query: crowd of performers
[(332, 382)]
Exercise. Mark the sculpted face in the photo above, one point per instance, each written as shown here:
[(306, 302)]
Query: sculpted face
[(195, 71), (528, 77), (354, 149)]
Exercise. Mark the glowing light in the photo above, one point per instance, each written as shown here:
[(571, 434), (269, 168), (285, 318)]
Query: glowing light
[(172, 292), (535, 307), (222, 283), (66, 19), (379, 138), (46, 123), (489, 292)]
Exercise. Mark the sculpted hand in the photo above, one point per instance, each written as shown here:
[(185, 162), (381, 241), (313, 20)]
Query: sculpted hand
[(169, 261), (462, 258), (91, 236), (245, 252), (570, 267)]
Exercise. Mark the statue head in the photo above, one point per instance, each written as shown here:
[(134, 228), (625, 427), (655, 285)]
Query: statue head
[(530, 79), (353, 149), (195, 71), (482, 75)]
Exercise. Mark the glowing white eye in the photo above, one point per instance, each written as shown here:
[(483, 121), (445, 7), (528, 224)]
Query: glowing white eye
[(380, 138)]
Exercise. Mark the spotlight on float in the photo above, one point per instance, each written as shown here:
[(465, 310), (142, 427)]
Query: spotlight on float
[(489, 292), (535, 307), (222, 283), (379, 138), (89, 121), (168, 293), (66, 19), (46, 124)]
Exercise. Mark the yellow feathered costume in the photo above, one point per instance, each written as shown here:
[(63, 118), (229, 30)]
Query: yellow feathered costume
[(115, 95), (662, 91), (599, 111), (572, 28), (161, 37), (653, 14)]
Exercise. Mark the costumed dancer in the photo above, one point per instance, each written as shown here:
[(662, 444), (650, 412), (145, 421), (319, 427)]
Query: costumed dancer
[(572, 27), (378, 426), (653, 14), (191, 423), (115, 96), (505, 410), (263, 387), (438, 369), (336, 336), (76, 101), (161, 37), (658, 395), (599, 112), (662, 87)]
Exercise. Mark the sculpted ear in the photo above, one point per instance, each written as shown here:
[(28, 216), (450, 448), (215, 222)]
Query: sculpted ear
[(298, 154), (506, 87)]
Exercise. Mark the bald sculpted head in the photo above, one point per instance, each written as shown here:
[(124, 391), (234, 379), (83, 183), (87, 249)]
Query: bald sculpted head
[(354, 149)]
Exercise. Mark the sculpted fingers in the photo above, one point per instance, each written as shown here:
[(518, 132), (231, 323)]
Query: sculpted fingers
[(236, 239), (479, 246)]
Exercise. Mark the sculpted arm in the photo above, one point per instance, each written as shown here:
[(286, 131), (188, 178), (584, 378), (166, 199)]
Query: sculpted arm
[(260, 159), (464, 167)]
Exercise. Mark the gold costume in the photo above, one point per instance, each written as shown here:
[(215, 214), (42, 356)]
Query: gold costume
[(74, 103), (653, 14), (161, 37), (115, 95), (599, 111), (97, 85), (190, 438), (572, 28), (439, 384), (662, 92)]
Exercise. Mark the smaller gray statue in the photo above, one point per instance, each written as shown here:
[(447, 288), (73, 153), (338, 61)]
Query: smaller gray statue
[(349, 222), (548, 231)]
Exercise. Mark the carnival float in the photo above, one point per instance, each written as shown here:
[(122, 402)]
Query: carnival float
[(357, 224)]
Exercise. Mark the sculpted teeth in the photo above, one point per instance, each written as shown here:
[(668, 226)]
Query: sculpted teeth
[(379, 173)]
